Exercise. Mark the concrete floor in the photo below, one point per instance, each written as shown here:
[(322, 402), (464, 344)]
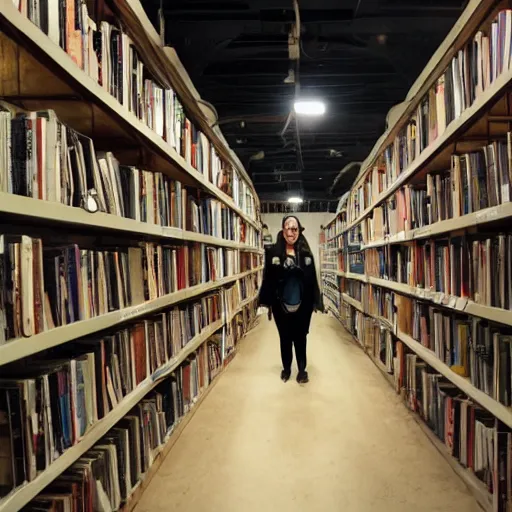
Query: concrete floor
[(343, 442)]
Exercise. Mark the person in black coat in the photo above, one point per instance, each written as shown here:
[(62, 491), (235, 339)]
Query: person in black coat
[(290, 288)]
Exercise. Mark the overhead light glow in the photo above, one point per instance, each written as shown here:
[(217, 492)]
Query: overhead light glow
[(309, 107), (295, 200)]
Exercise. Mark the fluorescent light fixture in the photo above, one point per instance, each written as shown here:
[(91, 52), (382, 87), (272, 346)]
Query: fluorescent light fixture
[(309, 107), (295, 200)]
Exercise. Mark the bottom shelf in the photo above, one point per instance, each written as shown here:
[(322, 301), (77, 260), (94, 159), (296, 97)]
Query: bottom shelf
[(143, 484), (477, 488)]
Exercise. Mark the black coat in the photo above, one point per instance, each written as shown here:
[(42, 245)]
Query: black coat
[(274, 274)]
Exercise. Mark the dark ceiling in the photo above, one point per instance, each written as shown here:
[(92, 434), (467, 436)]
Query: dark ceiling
[(359, 56)]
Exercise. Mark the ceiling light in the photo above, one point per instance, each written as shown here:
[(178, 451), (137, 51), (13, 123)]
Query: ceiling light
[(295, 200), (309, 107)]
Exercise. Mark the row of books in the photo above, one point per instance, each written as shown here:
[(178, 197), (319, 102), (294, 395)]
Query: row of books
[(478, 267), (378, 301), (58, 284), (470, 346), (45, 159), (335, 227), (352, 287), (470, 73), (106, 475), (476, 180), (238, 327), (331, 293), (48, 404), (470, 433), (107, 54)]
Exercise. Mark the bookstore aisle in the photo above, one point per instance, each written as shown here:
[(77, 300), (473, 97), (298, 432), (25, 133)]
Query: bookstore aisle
[(342, 442)]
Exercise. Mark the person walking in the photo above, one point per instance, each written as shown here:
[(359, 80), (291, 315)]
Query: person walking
[(290, 288)]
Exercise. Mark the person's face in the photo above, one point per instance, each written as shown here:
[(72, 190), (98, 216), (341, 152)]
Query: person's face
[(291, 231)]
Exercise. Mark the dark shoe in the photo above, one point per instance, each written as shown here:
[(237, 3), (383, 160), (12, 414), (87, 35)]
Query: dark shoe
[(285, 375), (302, 377)]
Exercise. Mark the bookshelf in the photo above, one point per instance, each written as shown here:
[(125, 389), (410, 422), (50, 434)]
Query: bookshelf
[(416, 263), (177, 215)]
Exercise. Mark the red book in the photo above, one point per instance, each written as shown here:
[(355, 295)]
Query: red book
[(139, 349)]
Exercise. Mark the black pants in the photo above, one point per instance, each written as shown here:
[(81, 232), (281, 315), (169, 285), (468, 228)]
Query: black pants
[(293, 331)]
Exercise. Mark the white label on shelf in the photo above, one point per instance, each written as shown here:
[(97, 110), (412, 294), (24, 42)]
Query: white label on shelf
[(445, 299), (452, 302), (461, 303)]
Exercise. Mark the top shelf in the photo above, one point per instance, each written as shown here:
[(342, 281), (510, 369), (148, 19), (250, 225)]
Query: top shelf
[(51, 79), (453, 130), (134, 15), (470, 20)]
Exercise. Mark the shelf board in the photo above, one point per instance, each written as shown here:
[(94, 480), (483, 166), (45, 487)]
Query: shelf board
[(476, 487), (22, 495), (66, 67), (242, 305), (501, 412), (467, 24), (164, 450), (335, 272), (479, 218), (357, 277), (61, 214), (458, 304), (134, 14), (451, 132), (22, 347), (353, 302)]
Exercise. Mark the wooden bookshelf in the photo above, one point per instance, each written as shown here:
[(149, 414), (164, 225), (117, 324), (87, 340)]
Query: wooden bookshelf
[(474, 485), (58, 214), (398, 188), (23, 347), (134, 16), (499, 410), (353, 302), (99, 114), (22, 495), (240, 308), (36, 74), (480, 218)]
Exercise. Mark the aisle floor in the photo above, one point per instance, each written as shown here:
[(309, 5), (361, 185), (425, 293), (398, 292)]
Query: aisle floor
[(343, 442)]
